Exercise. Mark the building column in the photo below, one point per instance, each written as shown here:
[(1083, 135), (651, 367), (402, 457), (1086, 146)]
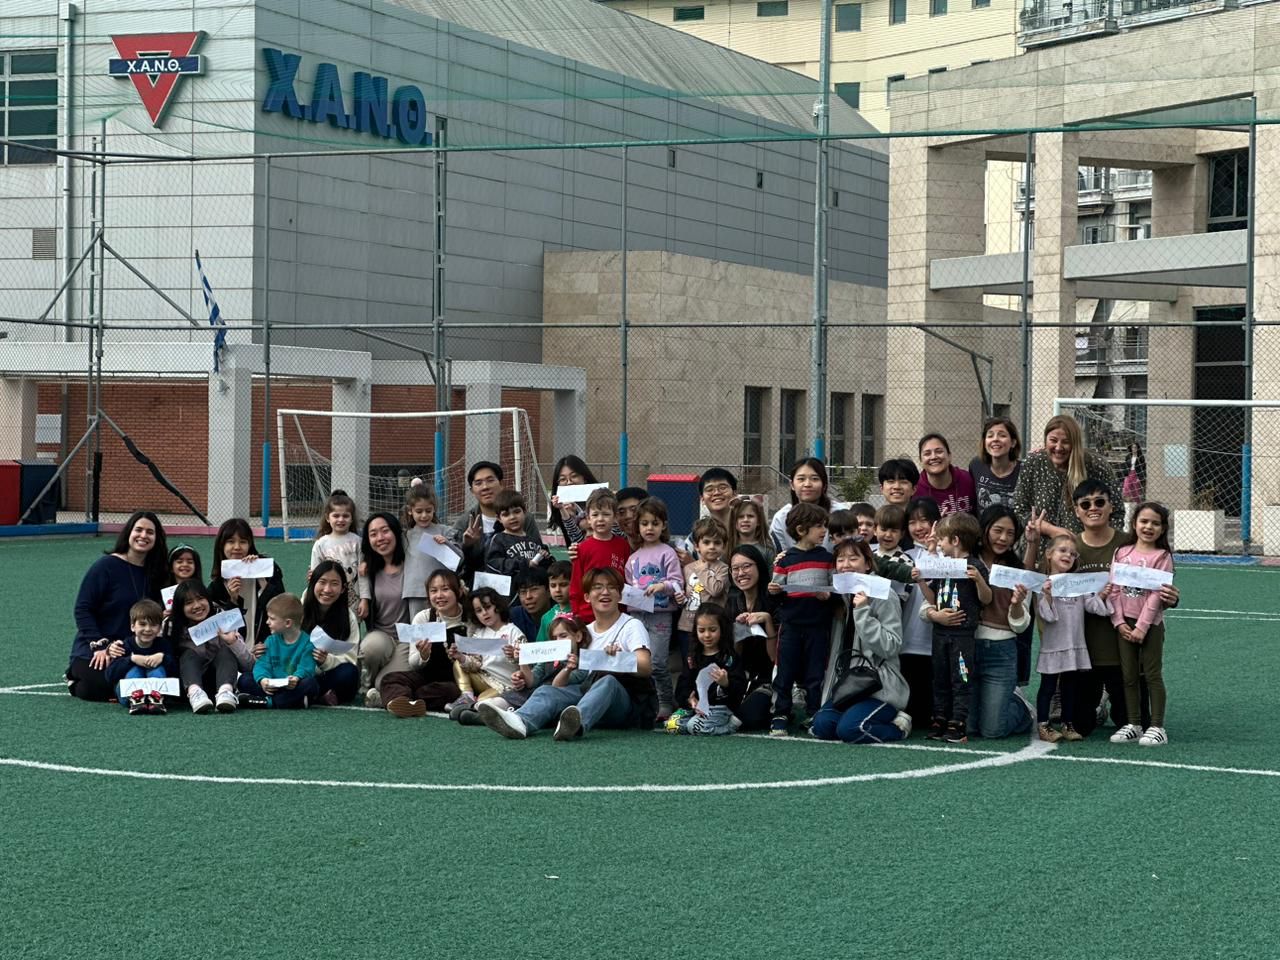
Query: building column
[(1266, 306), (18, 406), (569, 423), (1053, 351), (231, 453), (349, 441), (484, 434), (936, 204)]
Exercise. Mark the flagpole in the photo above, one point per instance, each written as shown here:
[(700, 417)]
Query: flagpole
[(266, 358)]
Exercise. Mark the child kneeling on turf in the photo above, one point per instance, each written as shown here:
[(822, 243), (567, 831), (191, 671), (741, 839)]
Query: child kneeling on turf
[(288, 657), (713, 636), (146, 654)]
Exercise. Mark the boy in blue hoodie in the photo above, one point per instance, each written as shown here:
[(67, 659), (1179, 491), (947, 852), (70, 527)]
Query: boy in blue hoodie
[(146, 654), (286, 671)]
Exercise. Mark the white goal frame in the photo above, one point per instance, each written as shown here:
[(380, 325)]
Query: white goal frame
[(519, 419)]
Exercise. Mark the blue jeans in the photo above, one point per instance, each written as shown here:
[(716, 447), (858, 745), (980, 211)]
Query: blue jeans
[(802, 657), (867, 721), (292, 699), (137, 673), (996, 711), (606, 704)]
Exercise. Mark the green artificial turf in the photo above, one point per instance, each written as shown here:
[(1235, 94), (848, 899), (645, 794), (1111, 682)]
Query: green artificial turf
[(1043, 858)]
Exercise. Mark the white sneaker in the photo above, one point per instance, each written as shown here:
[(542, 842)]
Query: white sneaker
[(1027, 704), (505, 722), (226, 700), (372, 698), (200, 702), (570, 724), (903, 722), (1129, 733), (1154, 737)]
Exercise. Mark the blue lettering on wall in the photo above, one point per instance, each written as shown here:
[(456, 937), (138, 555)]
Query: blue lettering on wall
[(404, 117)]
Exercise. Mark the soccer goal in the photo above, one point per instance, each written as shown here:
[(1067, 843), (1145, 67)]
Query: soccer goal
[(375, 456), (1196, 454)]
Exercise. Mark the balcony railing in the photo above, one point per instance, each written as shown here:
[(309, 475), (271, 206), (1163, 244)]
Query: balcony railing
[(1098, 233), (1123, 350), (1053, 21)]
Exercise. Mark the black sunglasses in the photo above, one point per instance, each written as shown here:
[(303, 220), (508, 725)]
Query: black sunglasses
[(1097, 503)]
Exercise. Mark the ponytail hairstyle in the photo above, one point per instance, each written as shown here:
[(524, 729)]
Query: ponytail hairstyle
[(338, 498)]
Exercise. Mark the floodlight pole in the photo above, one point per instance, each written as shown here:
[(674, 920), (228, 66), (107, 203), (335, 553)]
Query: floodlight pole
[(818, 364), (439, 188), (266, 351), (624, 442), (1027, 186)]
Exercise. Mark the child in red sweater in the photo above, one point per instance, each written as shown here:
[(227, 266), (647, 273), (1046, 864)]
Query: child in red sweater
[(600, 549)]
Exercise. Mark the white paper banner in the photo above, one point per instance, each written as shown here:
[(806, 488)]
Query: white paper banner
[(275, 683), (481, 646), (166, 594), (497, 581), (262, 567), (934, 566), (743, 631), (442, 552), (165, 685), (435, 632), (547, 651), (228, 621), (322, 641), (851, 583), (578, 492), (704, 689), (1078, 584), (1144, 578), (634, 598), (623, 662), (1011, 577)]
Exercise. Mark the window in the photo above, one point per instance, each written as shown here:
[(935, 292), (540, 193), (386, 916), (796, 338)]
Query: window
[(897, 11), (872, 427), (753, 426), (888, 86), (671, 158), (788, 423), (937, 8), (759, 179), (1229, 191), (835, 198), (685, 14), (979, 4), (978, 63), (937, 69), (29, 105), (850, 93), (771, 8), (848, 17), (836, 432)]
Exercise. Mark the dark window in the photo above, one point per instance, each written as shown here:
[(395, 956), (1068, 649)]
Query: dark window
[(978, 4), (850, 93), (837, 429), (29, 107), (937, 69), (771, 8), (682, 14), (848, 17), (888, 86), (753, 426), (835, 198), (1217, 433), (872, 427), (788, 428), (671, 158), (937, 8), (1229, 191), (897, 11), (759, 179)]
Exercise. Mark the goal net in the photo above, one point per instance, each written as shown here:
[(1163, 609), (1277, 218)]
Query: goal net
[(374, 457)]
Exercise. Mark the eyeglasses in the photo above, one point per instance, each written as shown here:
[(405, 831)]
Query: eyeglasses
[(1096, 503), (714, 488), (742, 568)]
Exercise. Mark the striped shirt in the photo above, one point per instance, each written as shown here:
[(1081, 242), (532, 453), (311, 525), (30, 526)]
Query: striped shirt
[(801, 569)]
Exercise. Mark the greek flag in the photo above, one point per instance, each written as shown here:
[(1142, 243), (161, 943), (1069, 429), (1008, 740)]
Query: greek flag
[(215, 315)]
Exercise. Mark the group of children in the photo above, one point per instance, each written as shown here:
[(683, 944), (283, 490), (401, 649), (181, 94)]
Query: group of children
[(691, 606)]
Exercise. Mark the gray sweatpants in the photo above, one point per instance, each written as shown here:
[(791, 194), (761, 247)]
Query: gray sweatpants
[(717, 723)]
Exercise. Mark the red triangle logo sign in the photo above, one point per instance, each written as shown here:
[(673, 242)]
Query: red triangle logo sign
[(155, 62)]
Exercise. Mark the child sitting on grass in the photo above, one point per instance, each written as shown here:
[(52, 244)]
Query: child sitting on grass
[(146, 654), (288, 657)]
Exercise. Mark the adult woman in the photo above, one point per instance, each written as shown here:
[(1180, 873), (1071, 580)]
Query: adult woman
[(751, 607), (949, 487), (382, 552), (1135, 482), (1004, 636), (995, 469), (325, 606), (617, 700), (808, 485), (135, 568), (568, 470), (235, 542), (1049, 477), (870, 629)]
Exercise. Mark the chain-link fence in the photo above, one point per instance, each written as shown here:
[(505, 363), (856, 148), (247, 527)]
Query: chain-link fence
[(640, 280)]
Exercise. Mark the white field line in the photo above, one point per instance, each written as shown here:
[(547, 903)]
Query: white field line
[(1160, 764), (33, 686)]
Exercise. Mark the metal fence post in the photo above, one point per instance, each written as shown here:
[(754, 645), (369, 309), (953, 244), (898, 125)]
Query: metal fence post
[(266, 353), (818, 371), (623, 440)]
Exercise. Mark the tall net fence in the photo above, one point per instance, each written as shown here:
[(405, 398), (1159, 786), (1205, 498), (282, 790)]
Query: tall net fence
[(625, 251)]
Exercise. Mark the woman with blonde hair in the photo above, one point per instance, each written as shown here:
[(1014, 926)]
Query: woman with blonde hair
[(1047, 477)]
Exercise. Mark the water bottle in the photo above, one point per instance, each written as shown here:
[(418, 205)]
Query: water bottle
[(964, 669)]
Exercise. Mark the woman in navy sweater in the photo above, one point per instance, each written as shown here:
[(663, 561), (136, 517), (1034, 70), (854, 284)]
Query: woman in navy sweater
[(134, 569)]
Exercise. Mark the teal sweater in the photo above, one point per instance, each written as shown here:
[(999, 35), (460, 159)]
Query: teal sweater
[(285, 659)]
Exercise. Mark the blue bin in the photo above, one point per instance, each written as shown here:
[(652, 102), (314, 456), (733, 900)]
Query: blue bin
[(679, 491), (35, 474)]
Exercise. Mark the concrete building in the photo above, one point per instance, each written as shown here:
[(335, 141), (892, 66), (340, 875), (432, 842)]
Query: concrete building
[(344, 241), (1189, 266)]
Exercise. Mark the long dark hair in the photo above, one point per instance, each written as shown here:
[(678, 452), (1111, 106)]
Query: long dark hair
[(999, 511), (820, 469), (1160, 510), (178, 623), (236, 526), (578, 466), (737, 600), (725, 622), (336, 621), (169, 579), (156, 563), (374, 561)]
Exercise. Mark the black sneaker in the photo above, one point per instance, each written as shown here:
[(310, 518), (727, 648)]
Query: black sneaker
[(470, 718), (938, 729), (956, 733), (250, 700)]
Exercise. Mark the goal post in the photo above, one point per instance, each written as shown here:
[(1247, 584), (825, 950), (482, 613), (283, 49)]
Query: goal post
[(374, 456), (1198, 454)]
